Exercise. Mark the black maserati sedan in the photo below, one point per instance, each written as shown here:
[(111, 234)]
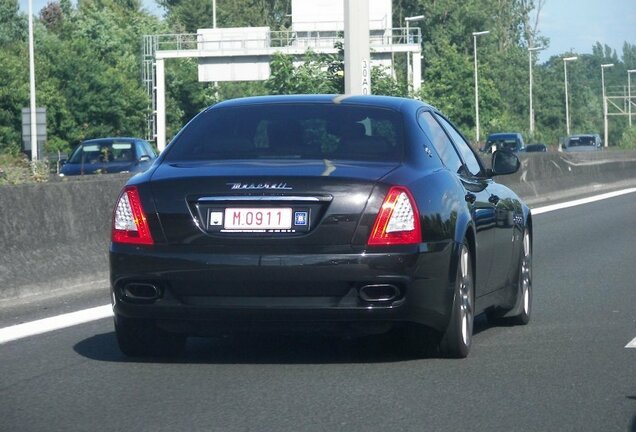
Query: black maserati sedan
[(319, 213)]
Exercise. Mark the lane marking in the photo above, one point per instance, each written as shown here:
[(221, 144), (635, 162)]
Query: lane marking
[(560, 206), (20, 331), (33, 328)]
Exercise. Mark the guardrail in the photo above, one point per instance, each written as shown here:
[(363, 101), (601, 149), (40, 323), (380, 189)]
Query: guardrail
[(54, 236), (276, 39)]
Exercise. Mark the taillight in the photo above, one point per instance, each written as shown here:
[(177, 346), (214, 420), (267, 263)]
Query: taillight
[(398, 222), (129, 219)]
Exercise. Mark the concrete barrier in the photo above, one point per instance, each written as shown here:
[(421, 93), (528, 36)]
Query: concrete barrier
[(546, 176), (54, 236)]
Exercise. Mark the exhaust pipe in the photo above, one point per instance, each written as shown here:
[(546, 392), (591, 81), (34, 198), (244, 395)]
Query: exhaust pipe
[(141, 292), (379, 293)]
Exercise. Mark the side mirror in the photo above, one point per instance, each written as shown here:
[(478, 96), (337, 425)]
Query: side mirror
[(504, 162)]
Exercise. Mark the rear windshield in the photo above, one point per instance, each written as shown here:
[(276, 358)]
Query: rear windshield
[(103, 151), (581, 141), (503, 143), (291, 131)]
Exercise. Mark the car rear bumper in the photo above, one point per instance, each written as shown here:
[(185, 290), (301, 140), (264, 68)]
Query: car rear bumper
[(203, 292)]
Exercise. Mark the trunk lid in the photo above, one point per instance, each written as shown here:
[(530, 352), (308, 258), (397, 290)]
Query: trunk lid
[(289, 205)]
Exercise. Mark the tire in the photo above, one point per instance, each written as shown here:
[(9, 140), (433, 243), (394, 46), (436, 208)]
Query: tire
[(457, 338), (523, 307), (141, 338)]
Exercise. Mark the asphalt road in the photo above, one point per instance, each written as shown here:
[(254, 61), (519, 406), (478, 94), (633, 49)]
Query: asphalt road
[(568, 370)]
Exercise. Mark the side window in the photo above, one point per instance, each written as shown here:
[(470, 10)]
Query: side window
[(440, 141), (472, 164)]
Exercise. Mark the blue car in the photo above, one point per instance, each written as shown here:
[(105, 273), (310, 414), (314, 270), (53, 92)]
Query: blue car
[(109, 155)]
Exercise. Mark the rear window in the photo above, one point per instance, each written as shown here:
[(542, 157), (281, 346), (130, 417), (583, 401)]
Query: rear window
[(291, 131), (581, 141), (503, 143), (103, 151)]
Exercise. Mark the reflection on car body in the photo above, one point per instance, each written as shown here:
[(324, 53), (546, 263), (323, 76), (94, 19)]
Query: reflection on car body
[(109, 155), (326, 213)]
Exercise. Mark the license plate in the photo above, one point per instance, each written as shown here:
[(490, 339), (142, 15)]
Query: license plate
[(257, 218)]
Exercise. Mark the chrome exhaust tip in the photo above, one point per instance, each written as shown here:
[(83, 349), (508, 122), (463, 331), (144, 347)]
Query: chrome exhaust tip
[(141, 292), (379, 292)]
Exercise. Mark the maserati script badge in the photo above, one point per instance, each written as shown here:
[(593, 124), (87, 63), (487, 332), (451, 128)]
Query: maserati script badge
[(259, 186)]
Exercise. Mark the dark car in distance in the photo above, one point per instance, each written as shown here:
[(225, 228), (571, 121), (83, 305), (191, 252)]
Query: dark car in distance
[(511, 141), (536, 148), (109, 155), (319, 213)]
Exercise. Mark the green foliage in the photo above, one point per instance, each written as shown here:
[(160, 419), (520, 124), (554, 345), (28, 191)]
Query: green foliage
[(382, 83), (322, 73), (190, 15), (312, 76), (14, 25), (88, 69), (628, 140), (13, 96)]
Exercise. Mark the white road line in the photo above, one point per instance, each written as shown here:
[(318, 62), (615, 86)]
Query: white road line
[(554, 207), (46, 325)]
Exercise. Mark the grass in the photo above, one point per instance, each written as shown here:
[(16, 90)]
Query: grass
[(18, 169)]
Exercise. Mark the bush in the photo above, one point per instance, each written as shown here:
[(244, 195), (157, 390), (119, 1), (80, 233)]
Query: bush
[(628, 140), (18, 169)]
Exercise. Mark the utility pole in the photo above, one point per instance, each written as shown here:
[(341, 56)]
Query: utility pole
[(356, 47), (530, 51), (567, 103), (475, 34), (32, 105), (603, 66)]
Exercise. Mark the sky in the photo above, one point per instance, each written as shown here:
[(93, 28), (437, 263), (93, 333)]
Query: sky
[(576, 25), (571, 25)]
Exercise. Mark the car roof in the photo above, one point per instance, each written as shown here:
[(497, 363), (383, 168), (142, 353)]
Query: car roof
[(100, 140), (391, 102), (504, 134)]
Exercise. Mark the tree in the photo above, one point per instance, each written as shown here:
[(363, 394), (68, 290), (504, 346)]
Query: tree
[(312, 76), (14, 75), (190, 15), (14, 25)]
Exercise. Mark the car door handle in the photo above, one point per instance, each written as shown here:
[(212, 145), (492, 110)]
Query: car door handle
[(494, 199), (471, 198)]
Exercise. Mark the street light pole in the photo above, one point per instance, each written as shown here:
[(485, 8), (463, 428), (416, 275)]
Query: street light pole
[(565, 74), (213, 13), (475, 34), (409, 72), (603, 66), (32, 105), (530, 51), (629, 94)]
